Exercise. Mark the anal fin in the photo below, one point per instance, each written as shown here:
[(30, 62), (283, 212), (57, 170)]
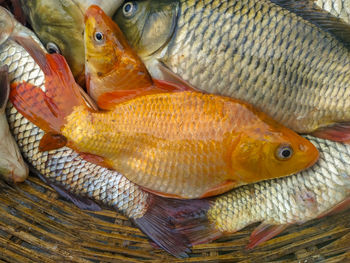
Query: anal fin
[(219, 189)]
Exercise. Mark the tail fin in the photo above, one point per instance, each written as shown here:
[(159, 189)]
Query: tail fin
[(176, 225), (46, 105)]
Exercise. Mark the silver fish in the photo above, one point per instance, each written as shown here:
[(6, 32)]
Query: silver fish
[(338, 8), (294, 199), (74, 177)]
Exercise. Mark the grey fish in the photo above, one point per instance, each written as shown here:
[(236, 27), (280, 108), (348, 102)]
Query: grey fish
[(277, 203), (83, 182), (338, 8), (287, 58)]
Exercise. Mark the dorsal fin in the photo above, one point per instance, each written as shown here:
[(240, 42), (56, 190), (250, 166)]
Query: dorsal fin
[(309, 11)]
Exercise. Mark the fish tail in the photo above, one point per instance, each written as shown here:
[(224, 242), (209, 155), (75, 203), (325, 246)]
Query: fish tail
[(177, 225), (47, 106)]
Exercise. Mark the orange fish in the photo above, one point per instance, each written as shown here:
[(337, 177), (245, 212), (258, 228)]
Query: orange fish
[(113, 71), (180, 144)]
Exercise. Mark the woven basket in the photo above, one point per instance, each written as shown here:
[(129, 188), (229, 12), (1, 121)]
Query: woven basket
[(36, 225)]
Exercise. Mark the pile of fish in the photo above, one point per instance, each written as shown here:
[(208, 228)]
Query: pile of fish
[(190, 119)]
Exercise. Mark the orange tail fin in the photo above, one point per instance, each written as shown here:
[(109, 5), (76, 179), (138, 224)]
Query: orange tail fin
[(47, 105)]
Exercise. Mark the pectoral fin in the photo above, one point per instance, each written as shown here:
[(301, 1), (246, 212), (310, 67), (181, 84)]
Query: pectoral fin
[(263, 233), (52, 141), (339, 132)]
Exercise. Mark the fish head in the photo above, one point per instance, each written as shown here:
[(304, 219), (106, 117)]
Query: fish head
[(148, 25), (60, 26), (6, 25), (270, 152), (110, 63)]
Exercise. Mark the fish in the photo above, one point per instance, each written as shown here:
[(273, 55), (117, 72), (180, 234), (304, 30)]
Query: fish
[(338, 8), (60, 26), (12, 166), (313, 193), (290, 59), (86, 184), (177, 144), (113, 71)]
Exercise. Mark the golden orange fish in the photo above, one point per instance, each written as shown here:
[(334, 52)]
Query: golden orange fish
[(113, 71), (182, 144)]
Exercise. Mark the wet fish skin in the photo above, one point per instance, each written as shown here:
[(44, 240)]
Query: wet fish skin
[(338, 8), (62, 23), (293, 199), (253, 50), (65, 169), (22, 67)]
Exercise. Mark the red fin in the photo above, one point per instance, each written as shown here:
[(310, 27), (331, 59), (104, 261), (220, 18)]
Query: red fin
[(51, 141), (222, 188), (160, 223), (171, 77), (263, 233), (47, 106), (339, 132), (342, 206), (108, 100)]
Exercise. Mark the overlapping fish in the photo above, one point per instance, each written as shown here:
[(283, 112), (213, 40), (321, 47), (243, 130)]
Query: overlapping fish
[(288, 58), (277, 203), (114, 73), (339, 8), (12, 166), (60, 26), (71, 175), (184, 144)]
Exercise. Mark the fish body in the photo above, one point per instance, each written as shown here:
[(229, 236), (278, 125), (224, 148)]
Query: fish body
[(269, 54), (60, 26), (294, 199), (186, 144), (182, 144), (338, 8), (12, 166), (81, 181)]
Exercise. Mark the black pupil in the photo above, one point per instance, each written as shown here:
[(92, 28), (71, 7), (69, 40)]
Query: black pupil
[(98, 36), (286, 153), (127, 7), (52, 50)]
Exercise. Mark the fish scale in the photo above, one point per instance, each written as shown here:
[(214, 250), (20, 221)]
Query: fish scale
[(252, 50), (78, 176), (339, 8), (288, 200)]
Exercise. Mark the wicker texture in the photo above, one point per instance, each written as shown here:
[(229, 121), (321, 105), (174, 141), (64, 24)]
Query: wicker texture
[(38, 226)]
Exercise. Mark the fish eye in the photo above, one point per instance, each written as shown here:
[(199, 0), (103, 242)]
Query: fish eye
[(98, 36), (284, 152), (129, 8), (52, 48)]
